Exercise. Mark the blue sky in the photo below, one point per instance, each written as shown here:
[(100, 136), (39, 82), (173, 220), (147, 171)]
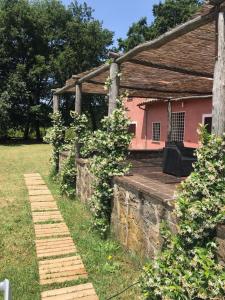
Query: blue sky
[(118, 15)]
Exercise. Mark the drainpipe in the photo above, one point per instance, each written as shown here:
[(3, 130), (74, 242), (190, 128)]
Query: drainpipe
[(146, 124)]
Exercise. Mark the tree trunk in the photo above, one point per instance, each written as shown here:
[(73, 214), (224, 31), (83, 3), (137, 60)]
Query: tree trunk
[(26, 131), (37, 130)]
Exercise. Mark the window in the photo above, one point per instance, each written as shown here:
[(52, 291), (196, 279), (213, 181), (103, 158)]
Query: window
[(207, 121), (132, 129), (177, 126), (156, 131)]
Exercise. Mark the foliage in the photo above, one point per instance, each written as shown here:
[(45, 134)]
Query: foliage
[(79, 132), (108, 148), (167, 14), (42, 43), (56, 137), (187, 268), (67, 176)]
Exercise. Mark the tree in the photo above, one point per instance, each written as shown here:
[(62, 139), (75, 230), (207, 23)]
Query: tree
[(167, 15), (42, 43)]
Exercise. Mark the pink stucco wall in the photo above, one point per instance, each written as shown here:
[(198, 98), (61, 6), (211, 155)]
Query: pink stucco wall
[(157, 112)]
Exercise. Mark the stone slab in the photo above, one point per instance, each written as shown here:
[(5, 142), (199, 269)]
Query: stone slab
[(55, 247), (51, 230), (83, 291), (47, 216), (61, 270), (43, 206)]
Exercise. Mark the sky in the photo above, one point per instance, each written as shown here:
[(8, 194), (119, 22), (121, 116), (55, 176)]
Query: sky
[(118, 15)]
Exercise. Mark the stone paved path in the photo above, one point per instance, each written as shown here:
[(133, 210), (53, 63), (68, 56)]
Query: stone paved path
[(59, 261)]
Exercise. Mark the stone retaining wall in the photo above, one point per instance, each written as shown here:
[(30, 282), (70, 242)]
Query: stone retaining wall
[(137, 213)]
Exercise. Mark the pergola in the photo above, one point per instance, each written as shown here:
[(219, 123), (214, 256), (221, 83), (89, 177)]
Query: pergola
[(186, 62)]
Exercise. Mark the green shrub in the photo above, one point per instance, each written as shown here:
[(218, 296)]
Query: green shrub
[(187, 267), (56, 137), (67, 176)]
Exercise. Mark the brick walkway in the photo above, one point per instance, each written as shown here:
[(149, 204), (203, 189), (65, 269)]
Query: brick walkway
[(58, 260)]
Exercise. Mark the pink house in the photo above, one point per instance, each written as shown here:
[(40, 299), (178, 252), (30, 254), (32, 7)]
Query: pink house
[(149, 118)]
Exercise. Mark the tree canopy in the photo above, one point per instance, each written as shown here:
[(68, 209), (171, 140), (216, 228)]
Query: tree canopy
[(166, 14), (42, 43)]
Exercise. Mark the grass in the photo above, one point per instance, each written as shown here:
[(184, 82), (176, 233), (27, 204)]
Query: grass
[(110, 268)]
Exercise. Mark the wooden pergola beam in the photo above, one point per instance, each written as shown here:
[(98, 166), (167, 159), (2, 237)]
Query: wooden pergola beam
[(94, 73), (164, 66), (55, 101), (218, 115), (170, 35), (171, 68), (114, 87), (215, 2), (78, 105), (151, 89)]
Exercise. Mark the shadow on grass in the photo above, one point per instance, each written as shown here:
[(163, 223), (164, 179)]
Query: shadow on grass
[(16, 142)]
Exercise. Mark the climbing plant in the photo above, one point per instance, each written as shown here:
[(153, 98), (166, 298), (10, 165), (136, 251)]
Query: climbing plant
[(187, 267), (56, 137), (108, 149), (80, 132)]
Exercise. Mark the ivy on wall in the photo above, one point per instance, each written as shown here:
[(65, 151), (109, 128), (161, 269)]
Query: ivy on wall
[(187, 267)]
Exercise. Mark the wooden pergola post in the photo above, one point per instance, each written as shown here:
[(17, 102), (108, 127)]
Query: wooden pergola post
[(169, 111), (218, 114), (115, 86), (55, 103), (78, 104), (78, 100)]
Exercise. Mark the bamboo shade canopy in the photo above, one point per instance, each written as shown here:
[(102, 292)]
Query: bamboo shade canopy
[(177, 64)]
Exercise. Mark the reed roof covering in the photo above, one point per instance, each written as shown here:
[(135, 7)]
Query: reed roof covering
[(178, 64)]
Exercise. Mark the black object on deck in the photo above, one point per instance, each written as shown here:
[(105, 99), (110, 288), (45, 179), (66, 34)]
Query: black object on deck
[(178, 160)]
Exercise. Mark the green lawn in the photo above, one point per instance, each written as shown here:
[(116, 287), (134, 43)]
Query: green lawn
[(110, 268)]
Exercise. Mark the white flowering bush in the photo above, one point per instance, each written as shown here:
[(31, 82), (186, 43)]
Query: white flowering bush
[(56, 137), (68, 172), (187, 267), (108, 150)]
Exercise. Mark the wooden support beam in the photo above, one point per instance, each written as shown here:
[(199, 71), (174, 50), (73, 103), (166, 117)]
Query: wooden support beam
[(78, 104), (152, 89), (218, 115), (171, 68), (94, 73), (55, 103), (78, 100), (216, 2), (115, 86), (169, 111), (170, 35)]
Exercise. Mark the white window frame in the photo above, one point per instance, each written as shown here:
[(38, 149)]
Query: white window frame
[(175, 112), (156, 141)]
